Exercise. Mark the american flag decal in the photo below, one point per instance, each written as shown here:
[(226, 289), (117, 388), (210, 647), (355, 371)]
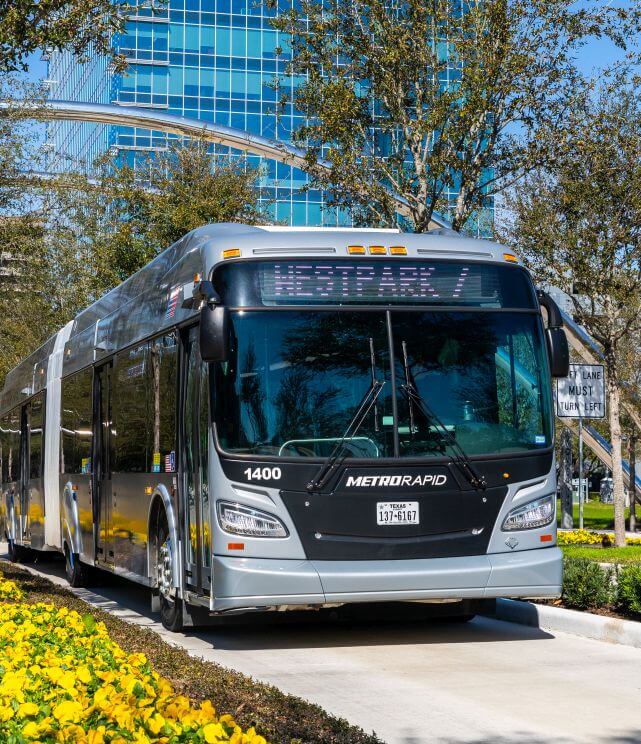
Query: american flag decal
[(172, 304)]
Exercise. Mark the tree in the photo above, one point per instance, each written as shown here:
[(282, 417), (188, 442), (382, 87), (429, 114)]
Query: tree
[(578, 225), (75, 238), (79, 25), (440, 102), (128, 215)]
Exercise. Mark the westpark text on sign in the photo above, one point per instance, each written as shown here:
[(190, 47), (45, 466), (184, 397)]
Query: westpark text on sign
[(582, 393)]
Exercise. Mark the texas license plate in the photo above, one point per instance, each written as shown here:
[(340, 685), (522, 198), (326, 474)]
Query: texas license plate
[(397, 512)]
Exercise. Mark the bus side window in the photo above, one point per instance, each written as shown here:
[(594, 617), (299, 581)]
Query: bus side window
[(4, 473), (12, 440), (76, 423), (36, 429), (130, 409), (164, 372)]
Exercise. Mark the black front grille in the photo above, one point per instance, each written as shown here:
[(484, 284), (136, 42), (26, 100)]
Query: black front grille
[(342, 525)]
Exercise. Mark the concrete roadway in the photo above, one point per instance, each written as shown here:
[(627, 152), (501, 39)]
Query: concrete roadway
[(484, 682)]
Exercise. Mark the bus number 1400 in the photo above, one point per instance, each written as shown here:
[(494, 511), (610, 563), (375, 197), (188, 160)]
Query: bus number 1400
[(262, 473)]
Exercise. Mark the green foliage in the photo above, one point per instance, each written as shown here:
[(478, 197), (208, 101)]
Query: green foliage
[(585, 584), (71, 239), (628, 599), (130, 215), (84, 26), (509, 70), (577, 223), (629, 554)]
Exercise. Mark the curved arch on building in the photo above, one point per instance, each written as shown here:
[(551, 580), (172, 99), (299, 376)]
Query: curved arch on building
[(149, 118)]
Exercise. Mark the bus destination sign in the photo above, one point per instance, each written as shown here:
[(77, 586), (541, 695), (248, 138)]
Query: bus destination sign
[(582, 393)]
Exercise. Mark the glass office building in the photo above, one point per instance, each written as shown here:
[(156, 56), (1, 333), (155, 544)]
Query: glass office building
[(214, 60)]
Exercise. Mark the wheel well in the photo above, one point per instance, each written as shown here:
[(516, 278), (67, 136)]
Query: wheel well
[(156, 513)]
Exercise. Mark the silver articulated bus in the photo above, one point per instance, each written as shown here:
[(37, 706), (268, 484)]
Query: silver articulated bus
[(269, 418)]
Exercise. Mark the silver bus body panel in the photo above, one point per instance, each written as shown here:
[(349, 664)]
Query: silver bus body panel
[(256, 582), (52, 537)]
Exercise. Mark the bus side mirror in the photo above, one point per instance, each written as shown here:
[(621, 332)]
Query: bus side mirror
[(214, 333), (559, 352), (558, 349)]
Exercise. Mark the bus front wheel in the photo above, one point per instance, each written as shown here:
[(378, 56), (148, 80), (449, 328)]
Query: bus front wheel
[(171, 609), (77, 573)]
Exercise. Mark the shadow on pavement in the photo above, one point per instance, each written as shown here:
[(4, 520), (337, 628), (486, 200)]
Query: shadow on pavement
[(380, 624), (631, 737)]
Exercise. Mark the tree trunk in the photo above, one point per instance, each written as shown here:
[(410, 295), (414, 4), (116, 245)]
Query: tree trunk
[(617, 466), (633, 487)]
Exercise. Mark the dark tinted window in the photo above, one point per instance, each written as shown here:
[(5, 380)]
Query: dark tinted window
[(36, 424), (372, 282), (295, 379), (163, 353), (130, 407), (76, 423), (10, 442)]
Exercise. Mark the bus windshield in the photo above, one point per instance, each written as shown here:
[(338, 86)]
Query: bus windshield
[(295, 379)]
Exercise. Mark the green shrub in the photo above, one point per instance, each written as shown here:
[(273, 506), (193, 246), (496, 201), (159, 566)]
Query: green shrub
[(585, 584), (629, 589)]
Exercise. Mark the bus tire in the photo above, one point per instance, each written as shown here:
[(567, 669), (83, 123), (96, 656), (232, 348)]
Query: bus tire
[(461, 618), (171, 608), (77, 573), (20, 553), (14, 552)]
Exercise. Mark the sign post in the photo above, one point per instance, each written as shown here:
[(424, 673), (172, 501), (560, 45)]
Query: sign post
[(581, 395), (581, 473)]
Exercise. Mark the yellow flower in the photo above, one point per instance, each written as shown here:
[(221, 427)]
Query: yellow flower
[(96, 736), (68, 711), (28, 709), (31, 730), (213, 733)]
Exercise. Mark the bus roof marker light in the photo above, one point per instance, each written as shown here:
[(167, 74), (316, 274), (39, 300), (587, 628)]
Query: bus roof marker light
[(378, 250), (356, 249), (231, 253), (398, 250), (510, 257)]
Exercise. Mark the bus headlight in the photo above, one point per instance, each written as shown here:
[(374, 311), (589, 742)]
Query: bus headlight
[(528, 516), (242, 520)]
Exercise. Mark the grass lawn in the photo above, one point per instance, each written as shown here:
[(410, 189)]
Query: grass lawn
[(596, 516), (629, 554)]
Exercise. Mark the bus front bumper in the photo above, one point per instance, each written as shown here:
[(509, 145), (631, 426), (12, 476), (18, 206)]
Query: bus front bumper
[(249, 583)]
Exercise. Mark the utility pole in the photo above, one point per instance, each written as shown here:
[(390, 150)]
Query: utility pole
[(632, 460)]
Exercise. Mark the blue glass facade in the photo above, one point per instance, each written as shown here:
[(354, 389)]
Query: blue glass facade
[(214, 60)]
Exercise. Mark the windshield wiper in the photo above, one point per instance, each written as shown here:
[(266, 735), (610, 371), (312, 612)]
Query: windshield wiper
[(460, 457), (329, 465)]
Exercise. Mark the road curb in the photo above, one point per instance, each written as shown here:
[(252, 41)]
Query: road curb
[(585, 624)]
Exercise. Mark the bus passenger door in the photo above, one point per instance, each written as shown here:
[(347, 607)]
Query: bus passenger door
[(194, 439), (101, 488)]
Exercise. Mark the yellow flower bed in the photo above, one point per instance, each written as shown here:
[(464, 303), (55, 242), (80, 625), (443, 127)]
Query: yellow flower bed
[(585, 537), (62, 679)]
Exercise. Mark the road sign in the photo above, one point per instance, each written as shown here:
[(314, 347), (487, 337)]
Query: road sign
[(582, 393)]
